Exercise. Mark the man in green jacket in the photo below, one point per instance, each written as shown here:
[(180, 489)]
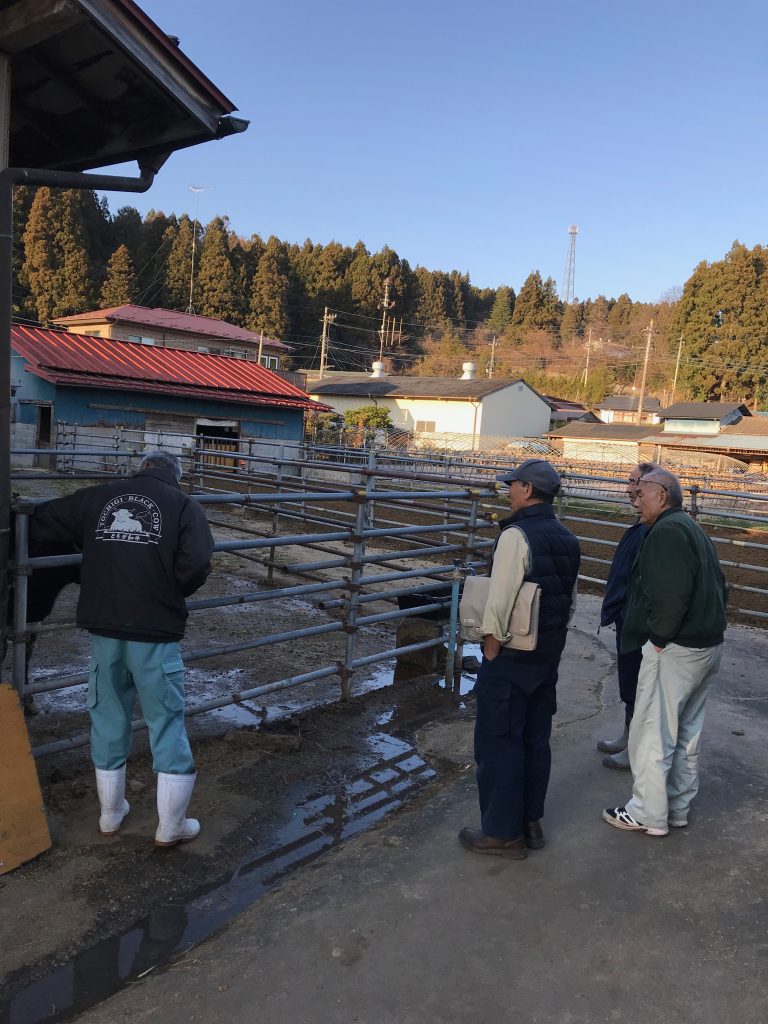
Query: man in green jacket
[(676, 613)]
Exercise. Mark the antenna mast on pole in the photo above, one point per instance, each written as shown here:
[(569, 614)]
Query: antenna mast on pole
[(196, 189), (569, 277)]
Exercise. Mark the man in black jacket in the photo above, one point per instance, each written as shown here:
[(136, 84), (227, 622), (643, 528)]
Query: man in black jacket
[(612, 611), (516, 690), (146, 546)]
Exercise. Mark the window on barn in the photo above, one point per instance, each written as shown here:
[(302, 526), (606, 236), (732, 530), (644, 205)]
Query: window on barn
[(425, 426), (138, 339), (235, 353), (271, 362)]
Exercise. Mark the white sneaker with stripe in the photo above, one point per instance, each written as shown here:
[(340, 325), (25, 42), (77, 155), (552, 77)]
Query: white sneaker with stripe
[(619, 817)]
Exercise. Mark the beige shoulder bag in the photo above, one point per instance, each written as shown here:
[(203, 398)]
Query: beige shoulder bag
[(523, 622)]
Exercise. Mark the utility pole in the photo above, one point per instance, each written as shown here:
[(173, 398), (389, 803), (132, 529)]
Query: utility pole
[(677, 365), (328, 319), (385, 305), (649, 332), (589, 351), (492, 364), (261, 345)]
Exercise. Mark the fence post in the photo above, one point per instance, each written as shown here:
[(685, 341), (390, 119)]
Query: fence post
[(21, 573), (352, 599), (453, 656), (694, 510), (369, 481), (276, 512)]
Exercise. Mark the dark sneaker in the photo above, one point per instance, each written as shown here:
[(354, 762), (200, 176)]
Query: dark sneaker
[(619, 817), (533, 835)]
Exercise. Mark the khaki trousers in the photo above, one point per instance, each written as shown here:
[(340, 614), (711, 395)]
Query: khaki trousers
[(666, 729)]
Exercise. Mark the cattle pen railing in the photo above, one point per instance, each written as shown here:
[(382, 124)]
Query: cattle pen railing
[(367, 517)]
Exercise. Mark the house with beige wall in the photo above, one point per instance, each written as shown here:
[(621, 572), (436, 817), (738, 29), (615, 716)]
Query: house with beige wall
[(167, 328)]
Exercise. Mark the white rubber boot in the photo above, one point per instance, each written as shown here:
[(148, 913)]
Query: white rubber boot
[(615, 746), (110, 785), (173, 795), (620, 761)]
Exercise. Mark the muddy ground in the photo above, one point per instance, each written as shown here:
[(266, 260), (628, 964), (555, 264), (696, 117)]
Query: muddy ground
[(280, 777)]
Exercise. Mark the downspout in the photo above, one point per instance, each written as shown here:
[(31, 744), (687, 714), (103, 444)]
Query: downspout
[(9, 177), (476, 407)]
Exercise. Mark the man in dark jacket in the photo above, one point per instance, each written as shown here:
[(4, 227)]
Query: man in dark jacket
[(612, 611), (516, 690), (146, 546), (676, 613)]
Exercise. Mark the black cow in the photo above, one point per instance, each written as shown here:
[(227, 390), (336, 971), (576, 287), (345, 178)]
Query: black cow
[(43, 587)]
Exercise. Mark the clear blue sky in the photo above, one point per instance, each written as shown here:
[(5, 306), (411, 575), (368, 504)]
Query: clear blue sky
[(471, 136)]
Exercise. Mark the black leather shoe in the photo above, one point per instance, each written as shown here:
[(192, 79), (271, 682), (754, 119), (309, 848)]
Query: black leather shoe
[(474, 840), (534, 837)]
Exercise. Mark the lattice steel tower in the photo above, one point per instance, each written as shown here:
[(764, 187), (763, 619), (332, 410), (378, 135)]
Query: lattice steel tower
[(569, 277)]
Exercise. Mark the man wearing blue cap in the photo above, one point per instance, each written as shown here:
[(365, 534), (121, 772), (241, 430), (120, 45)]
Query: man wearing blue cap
[(516, 690)]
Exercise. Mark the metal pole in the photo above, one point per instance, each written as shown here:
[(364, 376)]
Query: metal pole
[(450, 658), (349, 617), (21, 574), (645, 373), (276, 515)]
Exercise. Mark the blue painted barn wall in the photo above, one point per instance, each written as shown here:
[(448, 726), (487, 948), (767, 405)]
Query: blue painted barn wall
[(76, 405)]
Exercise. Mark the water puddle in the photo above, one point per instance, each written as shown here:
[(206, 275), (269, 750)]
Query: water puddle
[(390, 772)]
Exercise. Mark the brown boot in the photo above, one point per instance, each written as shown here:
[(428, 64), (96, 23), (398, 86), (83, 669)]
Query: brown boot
[(474, 840)]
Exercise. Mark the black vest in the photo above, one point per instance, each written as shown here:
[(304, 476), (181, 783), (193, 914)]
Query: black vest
[(555, 558)]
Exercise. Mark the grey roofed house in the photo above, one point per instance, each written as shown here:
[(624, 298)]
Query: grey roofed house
[(602, 431), (703, 411), (410, 387), (627, 403), (469, 408)]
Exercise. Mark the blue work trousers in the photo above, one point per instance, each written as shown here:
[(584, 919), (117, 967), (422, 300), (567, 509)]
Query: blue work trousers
[(628, 668), (516, 699), (121, 671)]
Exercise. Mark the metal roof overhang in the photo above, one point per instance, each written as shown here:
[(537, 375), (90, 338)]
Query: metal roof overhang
[(96, 82), (89, 380)]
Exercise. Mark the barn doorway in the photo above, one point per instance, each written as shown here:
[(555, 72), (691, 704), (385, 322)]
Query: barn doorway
[(43, 436), (218, 444)]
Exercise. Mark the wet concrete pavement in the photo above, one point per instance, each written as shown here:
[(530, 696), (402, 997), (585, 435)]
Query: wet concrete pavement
[(402, 925)]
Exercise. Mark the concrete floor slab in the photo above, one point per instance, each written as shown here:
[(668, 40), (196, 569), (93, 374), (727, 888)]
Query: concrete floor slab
[(401, 925)]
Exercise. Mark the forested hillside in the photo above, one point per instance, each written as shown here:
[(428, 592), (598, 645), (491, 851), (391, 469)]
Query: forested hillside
[(73, 254)]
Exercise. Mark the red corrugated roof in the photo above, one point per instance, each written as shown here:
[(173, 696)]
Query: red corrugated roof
[(171, 320), (84, 361)]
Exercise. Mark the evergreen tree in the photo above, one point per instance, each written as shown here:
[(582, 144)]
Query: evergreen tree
[(57, 262), (269, 293), (179, 265), (150, 260), (119, 284), (215, 292), (431, 299), (722, 317), (22, 303), (501, 313), (572, 324), (537, 306)]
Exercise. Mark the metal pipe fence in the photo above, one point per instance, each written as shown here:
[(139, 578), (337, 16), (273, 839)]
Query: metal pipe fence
[(440, 506)]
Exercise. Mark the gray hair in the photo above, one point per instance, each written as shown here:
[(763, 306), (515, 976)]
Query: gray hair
[(670, 483), (647, 467), (162, 460)]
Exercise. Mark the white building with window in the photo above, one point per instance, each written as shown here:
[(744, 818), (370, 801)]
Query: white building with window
[(166, 328), (471, 409)]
